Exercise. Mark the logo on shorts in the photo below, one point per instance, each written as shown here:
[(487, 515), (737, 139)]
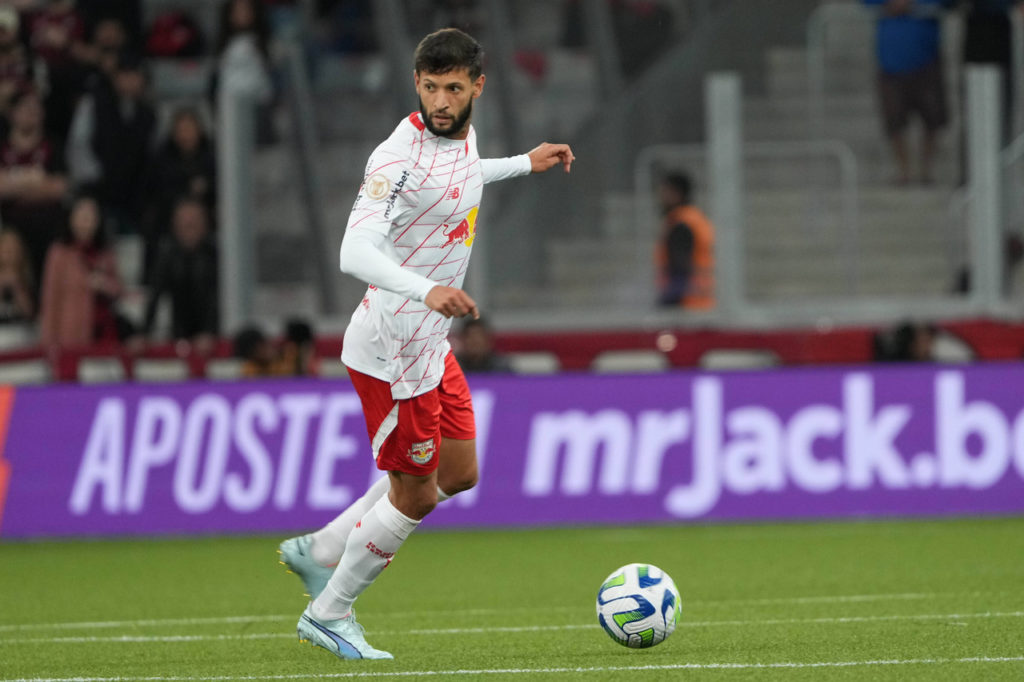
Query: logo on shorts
[(377, 186), (421, 453)]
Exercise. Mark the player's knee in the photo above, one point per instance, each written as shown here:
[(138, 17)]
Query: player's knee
[(419, 508), (414, 501), (465, 482), (454, 483)]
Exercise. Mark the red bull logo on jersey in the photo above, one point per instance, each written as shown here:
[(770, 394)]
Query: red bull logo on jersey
[(421, 453), (464, 232)]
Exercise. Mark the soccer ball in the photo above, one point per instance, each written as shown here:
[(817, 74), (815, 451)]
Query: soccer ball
[(638, 605)]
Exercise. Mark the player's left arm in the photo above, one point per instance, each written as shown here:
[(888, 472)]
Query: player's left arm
[(537, 160)]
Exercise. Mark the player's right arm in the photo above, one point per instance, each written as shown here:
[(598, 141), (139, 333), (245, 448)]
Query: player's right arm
[(385, 200)]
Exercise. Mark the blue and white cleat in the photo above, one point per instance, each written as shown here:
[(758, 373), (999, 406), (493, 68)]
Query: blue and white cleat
[(343, 638), (296, 555)]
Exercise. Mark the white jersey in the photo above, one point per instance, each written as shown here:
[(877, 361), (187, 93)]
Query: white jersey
[(421, 193)]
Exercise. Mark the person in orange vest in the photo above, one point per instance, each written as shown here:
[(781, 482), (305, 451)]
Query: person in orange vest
[(685, 255)]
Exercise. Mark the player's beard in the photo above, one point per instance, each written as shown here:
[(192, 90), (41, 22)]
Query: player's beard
[(458, 123)]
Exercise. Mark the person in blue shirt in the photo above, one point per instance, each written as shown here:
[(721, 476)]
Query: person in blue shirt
[(910, 80)]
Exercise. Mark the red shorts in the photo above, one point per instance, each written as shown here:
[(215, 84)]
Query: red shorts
[(405, 435)]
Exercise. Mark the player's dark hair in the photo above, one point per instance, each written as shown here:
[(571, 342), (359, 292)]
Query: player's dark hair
[(682, 184), (448, 49)]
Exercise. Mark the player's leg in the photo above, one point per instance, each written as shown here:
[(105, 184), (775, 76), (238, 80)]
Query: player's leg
[(329, 541), (895, 113), (313, 557), (405, 437), (457, 469), (372, 544)]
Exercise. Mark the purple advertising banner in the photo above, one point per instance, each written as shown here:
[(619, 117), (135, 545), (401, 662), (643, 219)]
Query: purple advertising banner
[(288, 455)]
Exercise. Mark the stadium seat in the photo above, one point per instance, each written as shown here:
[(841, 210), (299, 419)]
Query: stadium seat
[(541, 362), (949, 348), (224, 369), (737, 358), (13, 335), (624, 361), (100, 370), (25, 372), (164, 369)]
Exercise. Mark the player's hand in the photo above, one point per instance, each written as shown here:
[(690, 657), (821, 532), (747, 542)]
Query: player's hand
[(451, 302), (545, 155)]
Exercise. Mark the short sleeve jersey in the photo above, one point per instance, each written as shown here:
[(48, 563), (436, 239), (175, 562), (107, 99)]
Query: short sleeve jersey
[(422, 192)]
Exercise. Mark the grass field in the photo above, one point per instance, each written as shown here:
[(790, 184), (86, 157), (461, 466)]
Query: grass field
[(873, 600)]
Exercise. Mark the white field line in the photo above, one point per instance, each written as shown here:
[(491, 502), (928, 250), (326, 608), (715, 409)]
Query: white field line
[(153, 622), (954, 618), (228, 620), (545, 671)]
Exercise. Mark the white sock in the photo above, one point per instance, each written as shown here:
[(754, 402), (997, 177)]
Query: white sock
[(371, 546), (329, 541), (442, 495)]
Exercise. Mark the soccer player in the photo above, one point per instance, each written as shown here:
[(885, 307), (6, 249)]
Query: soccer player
[(409, 236)]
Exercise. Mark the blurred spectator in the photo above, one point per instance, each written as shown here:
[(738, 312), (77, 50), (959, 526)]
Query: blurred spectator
[(243, 60), (284, 19), (80, 283), (109, 40), (16, 72), (465, 15), (17, 303), (175, 34), (125, 13), (988, 39), (297, 354), (685, 255), (907, 342), (910, 78), (643, 29), (32, 180), (111, 143), (186, 270), (476, 348), (256, 352), (57, 35), (346, 26), (184, 166)]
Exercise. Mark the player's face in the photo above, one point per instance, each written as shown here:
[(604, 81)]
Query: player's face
[(446, 101)]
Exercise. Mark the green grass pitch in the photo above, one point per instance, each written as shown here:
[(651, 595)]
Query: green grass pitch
[(882, 600)]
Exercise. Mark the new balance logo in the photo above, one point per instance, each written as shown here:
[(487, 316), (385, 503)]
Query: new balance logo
[(454, 194)]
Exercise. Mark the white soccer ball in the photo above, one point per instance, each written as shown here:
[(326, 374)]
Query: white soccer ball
[(638, 605)]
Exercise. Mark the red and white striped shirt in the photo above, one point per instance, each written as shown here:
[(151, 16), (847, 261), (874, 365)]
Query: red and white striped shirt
[(418, 204)]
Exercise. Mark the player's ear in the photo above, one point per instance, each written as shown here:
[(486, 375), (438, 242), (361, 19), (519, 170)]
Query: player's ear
[(416, 78), (478, 86)]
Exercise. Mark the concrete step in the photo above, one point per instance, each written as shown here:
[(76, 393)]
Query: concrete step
[(797, 106), (789, 291), (845, 80)]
